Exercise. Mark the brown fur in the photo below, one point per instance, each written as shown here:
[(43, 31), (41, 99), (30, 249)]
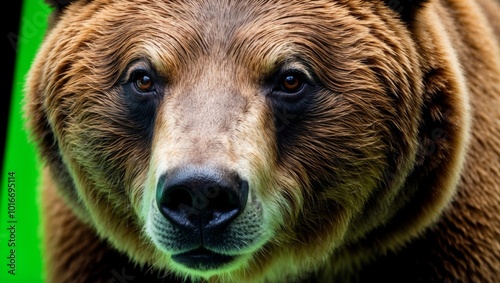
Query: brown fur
[(389, 172)]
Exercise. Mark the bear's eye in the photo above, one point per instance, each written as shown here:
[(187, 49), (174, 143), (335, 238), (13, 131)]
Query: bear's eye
[(291, 89), (291, 82), (143, 82)]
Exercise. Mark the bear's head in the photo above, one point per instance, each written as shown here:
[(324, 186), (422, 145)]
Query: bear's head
[(247, 139)]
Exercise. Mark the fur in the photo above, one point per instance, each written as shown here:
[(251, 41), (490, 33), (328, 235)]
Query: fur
[(387, 169)]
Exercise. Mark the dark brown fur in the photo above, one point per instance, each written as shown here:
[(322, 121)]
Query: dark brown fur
[(389, 173)]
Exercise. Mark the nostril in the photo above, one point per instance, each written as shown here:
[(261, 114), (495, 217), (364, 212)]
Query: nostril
[(220, 202), (177, 198), (201, 197), (221, 208), (177, 206)]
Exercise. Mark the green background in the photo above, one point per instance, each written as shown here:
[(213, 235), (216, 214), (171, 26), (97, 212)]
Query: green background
[(20, 157)]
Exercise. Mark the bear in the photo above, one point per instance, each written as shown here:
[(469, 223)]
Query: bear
[(269, 141)]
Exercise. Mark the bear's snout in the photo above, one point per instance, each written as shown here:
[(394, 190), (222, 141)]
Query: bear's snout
[(206, 218), (203, 200), (203, 218)]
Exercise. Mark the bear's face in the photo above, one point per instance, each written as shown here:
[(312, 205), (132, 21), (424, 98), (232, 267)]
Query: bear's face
[(229, 137)]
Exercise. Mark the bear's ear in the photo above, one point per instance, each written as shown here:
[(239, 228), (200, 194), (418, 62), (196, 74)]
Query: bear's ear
[(406, 8), (59, 4)]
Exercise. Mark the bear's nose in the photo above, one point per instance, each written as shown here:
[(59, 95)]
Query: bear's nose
[(201, 198)]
